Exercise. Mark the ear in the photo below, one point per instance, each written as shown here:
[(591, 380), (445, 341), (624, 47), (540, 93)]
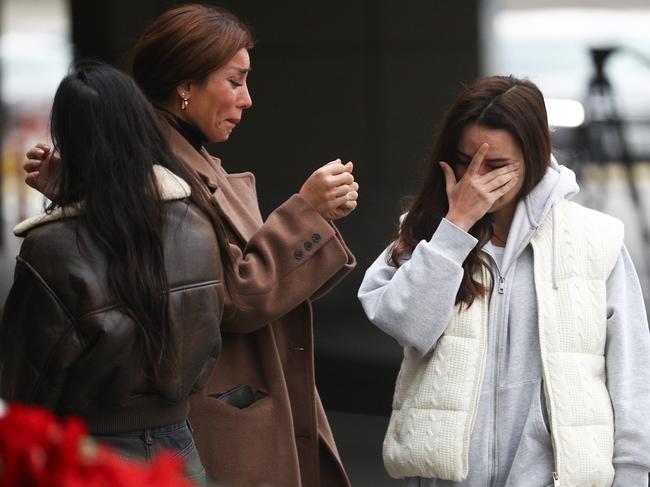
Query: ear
[(184, 90)]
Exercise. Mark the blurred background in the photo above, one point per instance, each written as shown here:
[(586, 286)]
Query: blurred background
[(365, 81)]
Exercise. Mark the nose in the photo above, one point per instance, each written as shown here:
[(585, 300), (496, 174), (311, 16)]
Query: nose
[(245, 100)]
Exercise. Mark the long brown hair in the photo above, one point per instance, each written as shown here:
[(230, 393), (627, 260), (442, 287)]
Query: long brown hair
[(186, 43), (495, 102)]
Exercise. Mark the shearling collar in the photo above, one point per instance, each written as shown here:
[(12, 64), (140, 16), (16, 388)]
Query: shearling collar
[(171, 187)]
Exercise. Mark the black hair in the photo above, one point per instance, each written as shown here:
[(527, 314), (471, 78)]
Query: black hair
[(109, 137)]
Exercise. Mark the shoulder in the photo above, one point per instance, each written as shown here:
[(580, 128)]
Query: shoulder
[(595, 222), (49, 239), (598, 235)]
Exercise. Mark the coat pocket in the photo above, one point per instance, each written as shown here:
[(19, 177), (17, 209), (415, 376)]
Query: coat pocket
[(241, 396)]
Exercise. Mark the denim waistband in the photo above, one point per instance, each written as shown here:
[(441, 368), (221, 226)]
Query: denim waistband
[(153, 432)]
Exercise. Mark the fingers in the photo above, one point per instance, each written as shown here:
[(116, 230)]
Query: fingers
[(335, 161), (39, 151), (331, 189), (477, 161), (508, 168), (353, 193), (345, 189), (350, 205), (339, 179), (499, 181), (341, 190), (350, 197), (498, 193), (342, 211), (32, 179), (337, 167), (32, 166), (450, 177)]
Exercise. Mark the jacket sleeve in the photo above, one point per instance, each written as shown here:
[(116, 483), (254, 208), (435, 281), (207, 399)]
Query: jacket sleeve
[(342, 272), (295, 254), (38, 341), (628, 373), (414, 302)]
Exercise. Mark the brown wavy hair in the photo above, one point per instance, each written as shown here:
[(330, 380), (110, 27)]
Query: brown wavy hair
[(495, 102)]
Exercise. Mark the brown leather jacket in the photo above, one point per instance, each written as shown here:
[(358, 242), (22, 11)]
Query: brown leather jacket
[(73, 349)]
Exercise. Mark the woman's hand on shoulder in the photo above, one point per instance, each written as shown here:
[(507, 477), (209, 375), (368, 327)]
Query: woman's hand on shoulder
[(332, 190), (40, 165)]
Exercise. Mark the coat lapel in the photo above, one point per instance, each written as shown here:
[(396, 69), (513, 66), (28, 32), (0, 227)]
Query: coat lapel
[(235, 193)]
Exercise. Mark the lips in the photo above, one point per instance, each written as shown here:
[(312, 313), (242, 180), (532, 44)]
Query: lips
[(233, 121)]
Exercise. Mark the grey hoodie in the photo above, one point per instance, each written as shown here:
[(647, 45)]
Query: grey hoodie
[(510, 444)]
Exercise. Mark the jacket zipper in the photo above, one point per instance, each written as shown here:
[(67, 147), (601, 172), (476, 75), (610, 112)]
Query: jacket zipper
[(556, 480)]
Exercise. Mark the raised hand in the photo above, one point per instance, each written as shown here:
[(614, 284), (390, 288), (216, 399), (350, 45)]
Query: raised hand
[(40, 165), (475, 193), (331, 190)]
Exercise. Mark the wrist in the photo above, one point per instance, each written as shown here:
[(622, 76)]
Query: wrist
[(461, 221)]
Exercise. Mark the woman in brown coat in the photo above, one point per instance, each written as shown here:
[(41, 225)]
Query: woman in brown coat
[(259, 421)]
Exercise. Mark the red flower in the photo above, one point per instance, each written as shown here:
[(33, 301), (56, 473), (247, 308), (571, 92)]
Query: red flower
[(38, 451)]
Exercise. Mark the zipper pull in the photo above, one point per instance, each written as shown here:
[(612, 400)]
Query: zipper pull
[(502, 281), (556, 480)]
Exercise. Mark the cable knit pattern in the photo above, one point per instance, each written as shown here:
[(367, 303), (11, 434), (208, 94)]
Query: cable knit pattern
[(436, 396), (573, 328), (436, 399)]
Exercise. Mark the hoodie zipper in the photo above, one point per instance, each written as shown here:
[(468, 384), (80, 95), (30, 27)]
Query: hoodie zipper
[(500, 295)]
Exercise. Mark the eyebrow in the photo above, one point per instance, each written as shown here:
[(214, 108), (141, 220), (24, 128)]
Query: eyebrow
[(492, 159), (241, 70)]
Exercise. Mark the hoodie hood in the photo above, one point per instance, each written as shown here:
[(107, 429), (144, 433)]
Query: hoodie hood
[(558, 183)]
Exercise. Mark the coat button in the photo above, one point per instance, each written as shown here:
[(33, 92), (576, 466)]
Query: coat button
[(307, 245), (298, 254), (315, 237)]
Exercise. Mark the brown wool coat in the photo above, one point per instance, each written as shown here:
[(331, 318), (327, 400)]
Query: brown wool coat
[(283, 439)]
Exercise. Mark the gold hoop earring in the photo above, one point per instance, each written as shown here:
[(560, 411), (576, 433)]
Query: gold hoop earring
[(184, 103)]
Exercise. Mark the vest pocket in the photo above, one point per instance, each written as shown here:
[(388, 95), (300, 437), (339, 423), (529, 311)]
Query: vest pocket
[(545, 424), (533, 460)]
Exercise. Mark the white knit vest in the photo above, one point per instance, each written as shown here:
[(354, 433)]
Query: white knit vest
[(436, 396)]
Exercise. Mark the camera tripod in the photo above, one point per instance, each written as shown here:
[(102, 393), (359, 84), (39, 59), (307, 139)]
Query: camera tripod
[(602, 135)]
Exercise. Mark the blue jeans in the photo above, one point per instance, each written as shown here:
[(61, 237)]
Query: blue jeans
[(143, 444)]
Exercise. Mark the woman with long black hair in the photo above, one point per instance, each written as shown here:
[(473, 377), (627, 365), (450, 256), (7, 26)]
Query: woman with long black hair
[(114, 312)]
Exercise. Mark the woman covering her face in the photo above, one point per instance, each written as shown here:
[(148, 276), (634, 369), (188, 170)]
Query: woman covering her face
[(526, 344), (259, 419), (111, 316)]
